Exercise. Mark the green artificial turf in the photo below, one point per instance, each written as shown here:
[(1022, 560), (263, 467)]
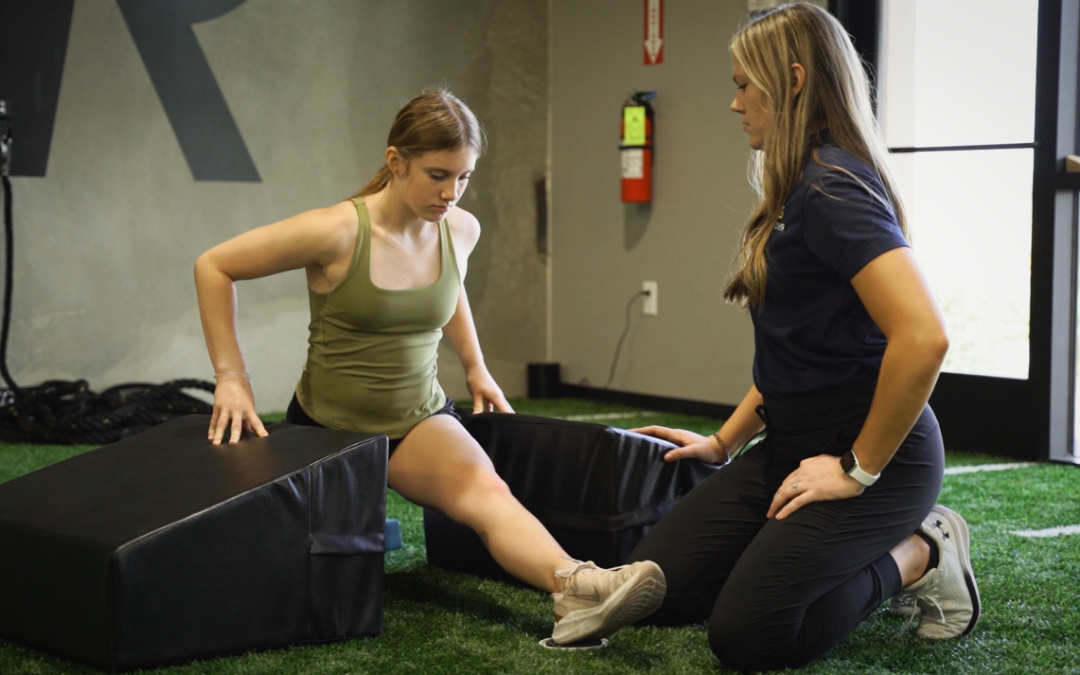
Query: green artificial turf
[(440, 622)]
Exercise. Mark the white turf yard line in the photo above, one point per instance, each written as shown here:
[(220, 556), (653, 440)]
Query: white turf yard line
[(608, 416), (1049, 532), (975, 468)]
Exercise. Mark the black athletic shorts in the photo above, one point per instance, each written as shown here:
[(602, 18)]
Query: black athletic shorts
[(296, 415)]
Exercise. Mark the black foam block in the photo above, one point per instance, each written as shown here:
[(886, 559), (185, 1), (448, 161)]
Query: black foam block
[(162, 548), (597, 489)]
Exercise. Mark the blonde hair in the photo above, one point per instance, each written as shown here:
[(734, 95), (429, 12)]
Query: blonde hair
[(835, 95), (435, 120)]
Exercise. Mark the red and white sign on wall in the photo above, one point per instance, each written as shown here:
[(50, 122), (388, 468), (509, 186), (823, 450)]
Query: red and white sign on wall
[(654, 32)]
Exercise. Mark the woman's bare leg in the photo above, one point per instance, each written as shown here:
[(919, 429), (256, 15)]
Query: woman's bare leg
[(438, 464)]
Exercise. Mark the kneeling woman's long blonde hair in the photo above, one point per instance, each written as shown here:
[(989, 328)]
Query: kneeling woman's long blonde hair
[(835, 95)]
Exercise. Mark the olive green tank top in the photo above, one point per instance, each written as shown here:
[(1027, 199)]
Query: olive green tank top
[(371, 363)]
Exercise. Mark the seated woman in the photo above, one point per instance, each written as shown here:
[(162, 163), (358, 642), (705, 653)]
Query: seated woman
[(385, 274)]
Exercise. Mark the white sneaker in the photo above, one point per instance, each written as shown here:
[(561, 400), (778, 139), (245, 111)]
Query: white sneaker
[(596, 602), (947, 595)]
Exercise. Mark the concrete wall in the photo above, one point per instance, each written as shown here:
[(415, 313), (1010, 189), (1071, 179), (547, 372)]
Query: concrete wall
[(696, 347), (105, 241)]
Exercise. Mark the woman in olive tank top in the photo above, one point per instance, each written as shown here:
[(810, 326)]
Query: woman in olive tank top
[(385, 272)]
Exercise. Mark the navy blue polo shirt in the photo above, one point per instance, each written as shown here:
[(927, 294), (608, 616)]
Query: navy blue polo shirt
[(812, 332)]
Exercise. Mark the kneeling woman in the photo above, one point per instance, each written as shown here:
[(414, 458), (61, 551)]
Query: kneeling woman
[(787, 549)]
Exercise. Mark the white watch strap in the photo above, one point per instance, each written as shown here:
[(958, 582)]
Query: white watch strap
[(857, 472), (866, 479)]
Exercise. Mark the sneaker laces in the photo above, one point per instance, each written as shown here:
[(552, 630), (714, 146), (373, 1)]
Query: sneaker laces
[(907, 624), (928, 595), (569, 572), (937, 605)]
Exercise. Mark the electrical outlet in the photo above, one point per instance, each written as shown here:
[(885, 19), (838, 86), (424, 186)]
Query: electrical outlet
[(651, 306)]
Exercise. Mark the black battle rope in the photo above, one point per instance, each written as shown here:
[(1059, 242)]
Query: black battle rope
[(9, 242), (68, 412), (63, 412)]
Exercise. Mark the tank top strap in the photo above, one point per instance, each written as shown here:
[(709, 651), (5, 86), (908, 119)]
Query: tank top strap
[(362, 252), (446, 251)]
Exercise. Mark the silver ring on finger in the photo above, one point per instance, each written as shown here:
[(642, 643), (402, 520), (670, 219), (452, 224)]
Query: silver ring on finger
[(795, 487)]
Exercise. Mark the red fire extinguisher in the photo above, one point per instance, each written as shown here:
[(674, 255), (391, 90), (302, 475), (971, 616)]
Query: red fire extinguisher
[(637, 147)]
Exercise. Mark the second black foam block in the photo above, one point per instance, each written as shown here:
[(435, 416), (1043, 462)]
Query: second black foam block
[(162, 548), (596, 488)]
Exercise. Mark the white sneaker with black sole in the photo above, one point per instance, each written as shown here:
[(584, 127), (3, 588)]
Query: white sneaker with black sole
[(595, 602), (947, 596)]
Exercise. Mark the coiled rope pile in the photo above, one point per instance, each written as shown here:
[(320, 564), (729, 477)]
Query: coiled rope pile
[(64, 412), (68, 412)]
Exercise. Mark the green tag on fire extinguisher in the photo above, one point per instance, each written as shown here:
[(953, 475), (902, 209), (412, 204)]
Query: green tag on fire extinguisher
[(634, 125)]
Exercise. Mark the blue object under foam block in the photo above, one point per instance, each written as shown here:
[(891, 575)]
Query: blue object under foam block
[(392, 537)]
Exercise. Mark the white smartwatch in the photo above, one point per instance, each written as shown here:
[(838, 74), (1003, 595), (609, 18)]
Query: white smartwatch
[(849, 463)]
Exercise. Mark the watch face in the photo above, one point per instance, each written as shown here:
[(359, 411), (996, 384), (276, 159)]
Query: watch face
[(847, 461)]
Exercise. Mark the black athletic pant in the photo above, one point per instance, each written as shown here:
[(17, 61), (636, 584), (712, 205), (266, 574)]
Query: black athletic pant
[(781, 593)]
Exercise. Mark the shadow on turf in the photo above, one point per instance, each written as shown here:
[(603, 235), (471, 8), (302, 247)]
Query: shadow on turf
[(452, 592), (475, 598)]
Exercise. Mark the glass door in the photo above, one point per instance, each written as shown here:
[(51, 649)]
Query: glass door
[(958, 114), (978, 103)]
